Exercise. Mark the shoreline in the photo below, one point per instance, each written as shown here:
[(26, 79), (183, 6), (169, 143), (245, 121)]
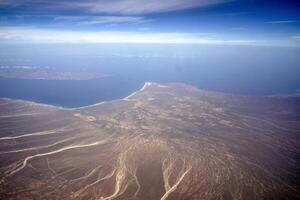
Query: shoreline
[(146, 84)]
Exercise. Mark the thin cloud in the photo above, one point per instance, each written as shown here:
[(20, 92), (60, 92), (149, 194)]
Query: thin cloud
[(103, 19), (238, 28), (296, 37), (282, 22), (237, 13), (144, 6), (116, 6), (9, 2), (31, 34)]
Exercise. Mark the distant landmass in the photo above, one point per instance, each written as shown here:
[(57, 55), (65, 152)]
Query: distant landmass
[(165, 141), (43, 74)]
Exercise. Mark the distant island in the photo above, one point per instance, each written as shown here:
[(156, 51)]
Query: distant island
[(43, 74)]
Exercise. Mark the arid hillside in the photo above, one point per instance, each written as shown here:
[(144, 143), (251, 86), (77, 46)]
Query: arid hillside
[(165, 142)]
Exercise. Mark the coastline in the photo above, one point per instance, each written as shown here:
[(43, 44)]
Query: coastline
[(146, 84)]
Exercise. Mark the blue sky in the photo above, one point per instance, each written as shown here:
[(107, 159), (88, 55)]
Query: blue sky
[(233, 22)]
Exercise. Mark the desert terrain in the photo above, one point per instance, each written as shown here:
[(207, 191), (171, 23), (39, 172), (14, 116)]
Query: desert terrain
[(165, 141)]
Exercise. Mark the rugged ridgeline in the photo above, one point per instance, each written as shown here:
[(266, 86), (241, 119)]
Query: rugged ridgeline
[(168, 141)]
